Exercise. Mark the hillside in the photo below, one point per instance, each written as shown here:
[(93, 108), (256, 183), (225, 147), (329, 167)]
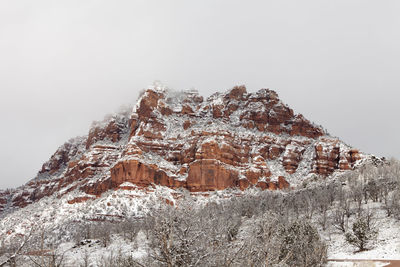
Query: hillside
[(178, 140), (233, 158)]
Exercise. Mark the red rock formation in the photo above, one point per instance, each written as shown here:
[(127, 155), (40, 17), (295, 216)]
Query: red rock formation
[(244, 184), (186, 125), (225, 153), (326, 160), (113, 131), (253, 176), (187, 110), (263, 185), (79, 200), (209, 175), (282, 183), (141, 174), (237, 93), (148, 103), (62, 156), (231, 140), (352, 156), (293, 156)]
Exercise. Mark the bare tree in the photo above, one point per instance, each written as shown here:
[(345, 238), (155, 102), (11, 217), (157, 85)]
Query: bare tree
[(373, 189), (301, 245), (322, 200), (339, 219), (16, 247), (102, 231), (85, 259)]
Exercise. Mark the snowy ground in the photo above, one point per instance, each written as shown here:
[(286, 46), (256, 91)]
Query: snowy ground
[(387, 245), (123, 202), (96, 254), (366, 263)]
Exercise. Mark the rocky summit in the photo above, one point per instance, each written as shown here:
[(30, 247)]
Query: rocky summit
[(178, 140)]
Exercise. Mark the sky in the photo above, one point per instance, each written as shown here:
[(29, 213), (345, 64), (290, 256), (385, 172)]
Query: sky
[(64, 64)]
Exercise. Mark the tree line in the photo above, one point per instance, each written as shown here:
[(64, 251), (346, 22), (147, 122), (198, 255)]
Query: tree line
[(267, 228)]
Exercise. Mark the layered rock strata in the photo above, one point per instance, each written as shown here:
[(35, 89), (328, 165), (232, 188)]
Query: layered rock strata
[(234, 139)]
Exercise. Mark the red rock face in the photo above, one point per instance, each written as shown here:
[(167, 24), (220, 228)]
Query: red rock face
[(237, 93), (148, 104), (293, 156), (225, 153), (138, 173), (113, 131), (282, 183), (62, 156), (329, 157), (179, 140), (326, 160), (209, 175), (79, 200)]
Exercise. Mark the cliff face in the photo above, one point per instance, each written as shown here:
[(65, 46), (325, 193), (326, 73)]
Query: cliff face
[(179, 140)]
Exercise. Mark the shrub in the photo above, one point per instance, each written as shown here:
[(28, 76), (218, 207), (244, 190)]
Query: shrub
[(301, 245), (363, 233)]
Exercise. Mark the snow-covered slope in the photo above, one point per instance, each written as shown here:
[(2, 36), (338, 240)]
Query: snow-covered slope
[(173, 143)]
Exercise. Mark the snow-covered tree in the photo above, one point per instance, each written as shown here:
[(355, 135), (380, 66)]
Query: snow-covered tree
[(363, 233)]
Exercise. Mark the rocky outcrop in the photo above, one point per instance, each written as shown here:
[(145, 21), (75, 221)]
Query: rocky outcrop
[(348, 160), (62, 156), (79, 199), (332, 155), (210, 174), (234, 139), (292, 156), (140, 174), (112, 132), (148, 103)]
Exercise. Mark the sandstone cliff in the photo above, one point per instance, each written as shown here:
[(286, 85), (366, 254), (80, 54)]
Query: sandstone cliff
[(234, 139)]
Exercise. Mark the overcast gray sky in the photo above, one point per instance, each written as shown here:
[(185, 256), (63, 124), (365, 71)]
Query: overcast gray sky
[(64, 64)]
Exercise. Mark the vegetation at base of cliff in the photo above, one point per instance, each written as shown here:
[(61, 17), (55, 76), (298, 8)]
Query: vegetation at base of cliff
[(270, 228)]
